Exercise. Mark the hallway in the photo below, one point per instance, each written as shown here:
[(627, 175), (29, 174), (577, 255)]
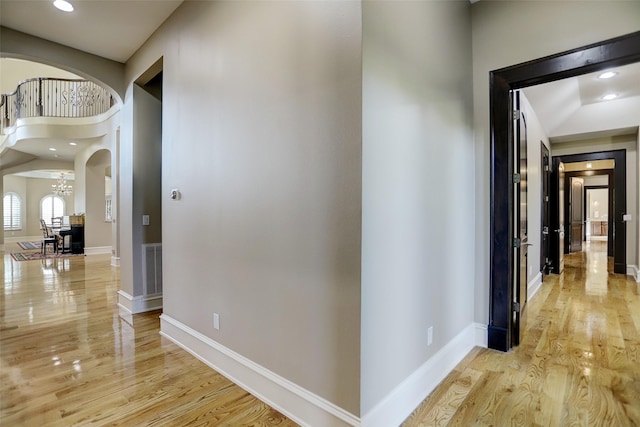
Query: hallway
[(69, 357), (578, 365)]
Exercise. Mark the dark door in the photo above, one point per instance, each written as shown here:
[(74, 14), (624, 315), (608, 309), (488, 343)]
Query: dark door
[(545, 214), (560, 230), (576, 214), (520, 219)]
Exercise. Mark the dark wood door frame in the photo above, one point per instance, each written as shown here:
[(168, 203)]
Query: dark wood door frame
[(545, 211), (617, 236), (599, 56), (610, 186)]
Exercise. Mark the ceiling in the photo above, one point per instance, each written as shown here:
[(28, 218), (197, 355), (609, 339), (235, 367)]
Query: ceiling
[(113, 29), (573, 108)]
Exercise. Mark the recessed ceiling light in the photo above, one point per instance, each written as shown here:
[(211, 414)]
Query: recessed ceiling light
[(52, 149), (63, 5), (609, 97), (607, 75), (73, 143)]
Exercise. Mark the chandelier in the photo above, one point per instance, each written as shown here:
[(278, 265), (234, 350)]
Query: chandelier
[(61, 188)]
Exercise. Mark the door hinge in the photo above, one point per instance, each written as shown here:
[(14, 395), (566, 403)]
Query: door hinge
[(516, 307), (516, 242), (516, 178), (516, 114)]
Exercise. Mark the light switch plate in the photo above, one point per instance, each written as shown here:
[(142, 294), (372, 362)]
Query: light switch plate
[(626, 217), (145, 219)]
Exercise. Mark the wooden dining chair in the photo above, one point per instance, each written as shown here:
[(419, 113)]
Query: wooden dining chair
[(48, 237)]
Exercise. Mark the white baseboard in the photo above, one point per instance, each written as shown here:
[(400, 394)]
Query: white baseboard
[(23, 239), (139, 304), (297, 403), (115, 261), (481, 335), (633, 271), (534, 286), (404, 398), (97, 250)]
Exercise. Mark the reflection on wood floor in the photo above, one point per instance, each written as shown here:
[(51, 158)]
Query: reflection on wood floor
[(68, 357), (579, 363)]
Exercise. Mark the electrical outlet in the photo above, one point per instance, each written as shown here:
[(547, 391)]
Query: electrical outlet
[(430, 335), (216, 321)]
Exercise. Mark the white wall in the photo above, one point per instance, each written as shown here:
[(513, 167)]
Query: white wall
[(262, 135), (13, 71), (18, 185), (624, 142), (418, 173), (597, 204), (97, 232), (508, 33)]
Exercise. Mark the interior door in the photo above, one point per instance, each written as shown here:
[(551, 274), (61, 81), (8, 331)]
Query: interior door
[(560, 229), (545, 214), (520, 220), (576, 214)]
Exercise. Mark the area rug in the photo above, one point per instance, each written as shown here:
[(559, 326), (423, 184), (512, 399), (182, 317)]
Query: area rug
[(30, 245), (30, 256)]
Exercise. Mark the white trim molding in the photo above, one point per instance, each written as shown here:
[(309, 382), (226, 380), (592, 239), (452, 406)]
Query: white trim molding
[(481, 335), (98, 250), (534, 286), (633, 271), (23, 239), (297, 403), (139, 304), (404, 398)]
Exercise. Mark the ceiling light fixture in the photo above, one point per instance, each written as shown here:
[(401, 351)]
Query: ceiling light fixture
[(589, 165), (607, 75), (63, 5), (61, 188), (52, 149), (609, 97), (73, 143)]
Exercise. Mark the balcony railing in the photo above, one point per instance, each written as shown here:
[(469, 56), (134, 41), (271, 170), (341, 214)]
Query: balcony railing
[(49, 97)]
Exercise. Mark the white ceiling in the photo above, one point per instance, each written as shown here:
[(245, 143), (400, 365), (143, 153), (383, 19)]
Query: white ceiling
[(572, 108), (113, 29)]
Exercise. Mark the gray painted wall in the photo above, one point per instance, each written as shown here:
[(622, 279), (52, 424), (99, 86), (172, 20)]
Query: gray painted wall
[(262, 135), (14, 44), (418, 173)]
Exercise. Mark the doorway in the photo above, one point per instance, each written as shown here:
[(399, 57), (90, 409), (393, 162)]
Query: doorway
[(614, 52)]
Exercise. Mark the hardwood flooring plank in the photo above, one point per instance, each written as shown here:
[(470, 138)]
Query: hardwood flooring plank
[(577, 365), (69, 358)]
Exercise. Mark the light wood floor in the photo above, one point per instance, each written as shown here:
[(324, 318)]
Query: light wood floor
[(579, 364), (68, 357)]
